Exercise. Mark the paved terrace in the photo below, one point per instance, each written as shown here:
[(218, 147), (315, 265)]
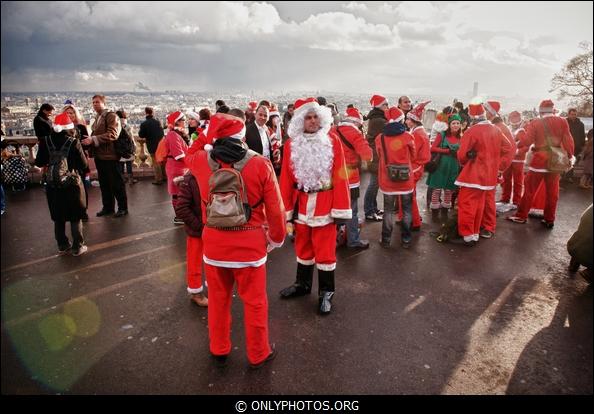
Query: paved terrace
[(500, 318)]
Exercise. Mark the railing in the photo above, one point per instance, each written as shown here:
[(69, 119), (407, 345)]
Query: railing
[(142, 161)]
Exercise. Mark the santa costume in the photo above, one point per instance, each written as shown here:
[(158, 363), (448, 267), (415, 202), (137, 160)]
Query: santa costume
[(482, 148), (513, 177), (315, 190), (238, 254), (560, 136)]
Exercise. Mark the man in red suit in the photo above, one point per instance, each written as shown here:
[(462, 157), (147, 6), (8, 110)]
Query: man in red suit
[(513, 177), (238, 254), (482, 150), (560, 136), (315, 190)]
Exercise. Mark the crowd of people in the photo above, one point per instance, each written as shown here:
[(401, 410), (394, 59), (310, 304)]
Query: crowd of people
[(264, 176)]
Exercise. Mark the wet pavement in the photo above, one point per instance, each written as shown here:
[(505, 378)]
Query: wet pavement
[(503, 317)]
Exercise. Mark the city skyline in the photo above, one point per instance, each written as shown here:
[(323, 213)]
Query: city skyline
[(420, 48)]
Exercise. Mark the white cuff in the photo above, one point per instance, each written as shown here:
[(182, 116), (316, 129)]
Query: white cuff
[(341, 214)]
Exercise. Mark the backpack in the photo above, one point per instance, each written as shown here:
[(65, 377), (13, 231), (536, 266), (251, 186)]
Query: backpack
[(227, 205), (124, 145), (161, 152), (58, 175)]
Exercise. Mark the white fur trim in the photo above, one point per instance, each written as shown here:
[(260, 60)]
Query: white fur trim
[(346, 214), (288, 215), (490, 109), (396, 192), (305, 108), (477, 186), (326, 267), (306, 262), (318, 221), (543, 170), (195, 291), (234, 265), (355, 185), (179, 157), (296, 125), (380, 104), (347, 123), (417, 127), (399, 119), (177, 180), (208, 148), (60, 128), (522, 161), (240, 134)]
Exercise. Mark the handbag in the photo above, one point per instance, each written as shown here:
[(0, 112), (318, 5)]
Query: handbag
[(559, 161), (396, 172), (433, 163)]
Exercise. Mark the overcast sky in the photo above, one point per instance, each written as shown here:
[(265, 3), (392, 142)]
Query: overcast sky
[(360, 47)]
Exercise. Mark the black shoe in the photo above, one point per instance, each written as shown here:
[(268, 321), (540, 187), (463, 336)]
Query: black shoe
[(415, 228), (361, 245), (121, 213), (294, 291), (220, 360), (470, 243), (104, 213), (486, 234), (373, 217), (385, 242), (157, 182), (548, 224), (270, 357), (406, 244), (325, 302)]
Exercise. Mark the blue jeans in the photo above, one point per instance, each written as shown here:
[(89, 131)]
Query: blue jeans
[(353, 225), (370, 199), (388, 222)]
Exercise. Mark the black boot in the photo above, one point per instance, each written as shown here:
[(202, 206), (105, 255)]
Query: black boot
[(302, 285), (435, 215), (444, 215), (326, 292)]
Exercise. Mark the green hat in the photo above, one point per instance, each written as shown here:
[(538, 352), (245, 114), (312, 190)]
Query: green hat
[(454, 117)]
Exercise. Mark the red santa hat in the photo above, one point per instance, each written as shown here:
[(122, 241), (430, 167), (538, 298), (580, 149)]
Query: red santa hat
[(492, 107), (252, 106), (63, 122), (515, 117), (225, 126), (377, 100), (546, 107), (305, 104), (353, 115), (416, 114), (394, 114), (173, 117), (476, 110)]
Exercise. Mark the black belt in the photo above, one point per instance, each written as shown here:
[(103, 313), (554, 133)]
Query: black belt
[(312, 191), (235, 228)]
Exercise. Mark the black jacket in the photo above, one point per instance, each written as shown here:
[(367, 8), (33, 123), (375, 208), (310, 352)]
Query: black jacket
[(42, 126), (253, 140), (578, 132), (64, 204), (152, 131)]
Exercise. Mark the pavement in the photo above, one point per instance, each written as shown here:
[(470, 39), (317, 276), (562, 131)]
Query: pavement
[(503, 317)]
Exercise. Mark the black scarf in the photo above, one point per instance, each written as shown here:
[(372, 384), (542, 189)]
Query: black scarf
[(228, 150)]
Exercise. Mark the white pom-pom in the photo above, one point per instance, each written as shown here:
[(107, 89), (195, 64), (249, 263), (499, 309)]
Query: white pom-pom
[(58, 128), (208, 148)]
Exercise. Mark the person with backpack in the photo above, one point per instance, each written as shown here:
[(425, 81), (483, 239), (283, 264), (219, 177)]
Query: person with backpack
[(63, 157), (175, 143), (126, 148), (244, 219), (356, 150), (106, 130), (315, 188)]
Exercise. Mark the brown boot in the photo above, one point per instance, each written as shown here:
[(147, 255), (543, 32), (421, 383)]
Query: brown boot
[(199, 299)]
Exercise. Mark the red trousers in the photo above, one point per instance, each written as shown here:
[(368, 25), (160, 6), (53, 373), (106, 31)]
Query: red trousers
[(471, 204), (194, 264), (316, 245), (513, 176), (251, 287), (489, 221), (533, 181)]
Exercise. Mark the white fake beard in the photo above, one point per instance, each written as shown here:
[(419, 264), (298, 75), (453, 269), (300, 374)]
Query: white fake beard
[(311, 157)]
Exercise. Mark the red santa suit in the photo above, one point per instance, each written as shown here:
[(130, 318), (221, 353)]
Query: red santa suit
[(514, 175), (360, 151), (239, 255), (537, 170), (478, 175), (423, 156), (315, 190), (490, 213)]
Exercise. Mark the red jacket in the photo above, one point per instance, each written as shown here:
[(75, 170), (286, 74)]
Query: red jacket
[(561, 137), (189, 206), (361, 151), (507, 159), (491, 148), (243, 248), (199, 143), (320, 208), (519, 135), (423, 151), (400, 150)]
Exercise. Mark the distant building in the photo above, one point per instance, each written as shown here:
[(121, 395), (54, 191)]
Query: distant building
[(475, 89)]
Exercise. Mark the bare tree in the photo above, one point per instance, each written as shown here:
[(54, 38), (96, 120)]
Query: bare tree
[(575, 79)]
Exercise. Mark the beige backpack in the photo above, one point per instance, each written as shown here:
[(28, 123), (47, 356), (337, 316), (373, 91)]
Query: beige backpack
[(227, 205)]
